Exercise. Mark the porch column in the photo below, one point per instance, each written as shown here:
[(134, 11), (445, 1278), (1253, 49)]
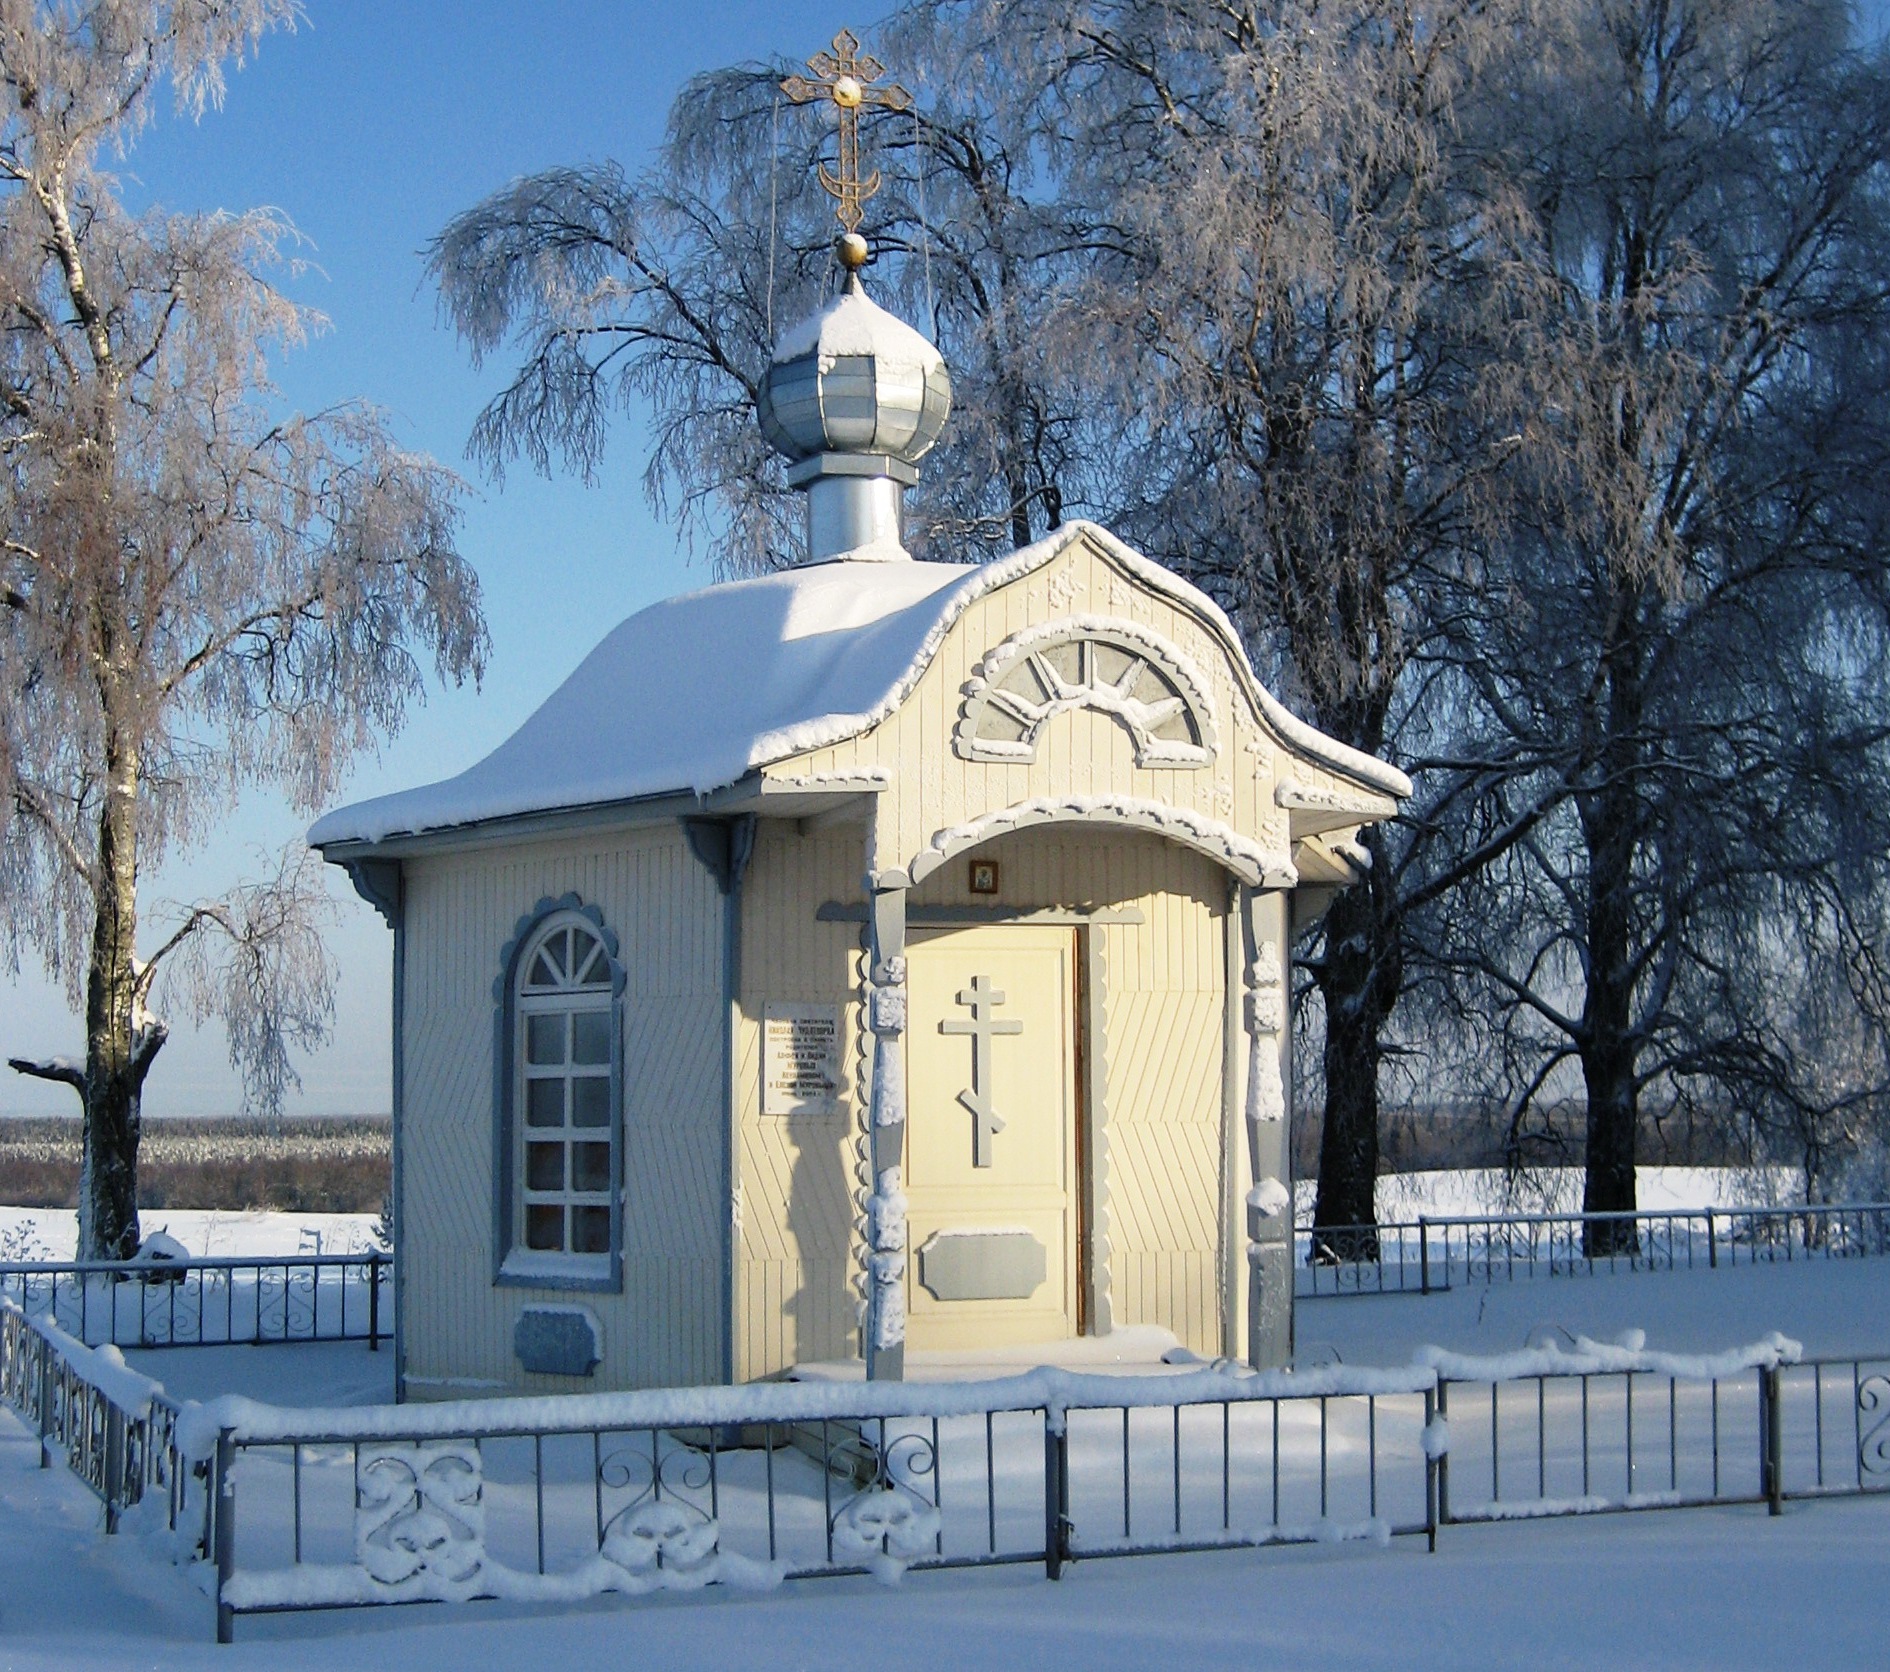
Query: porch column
[(1264, 928), (884, 1336)]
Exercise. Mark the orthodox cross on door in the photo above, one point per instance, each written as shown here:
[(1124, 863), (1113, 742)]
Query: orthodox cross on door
[(845, 77), (981, 998)]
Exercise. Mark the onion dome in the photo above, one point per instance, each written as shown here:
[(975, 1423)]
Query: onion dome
[(853, 379)]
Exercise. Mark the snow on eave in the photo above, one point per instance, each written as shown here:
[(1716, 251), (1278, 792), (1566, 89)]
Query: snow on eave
[(1299, 737), (881, 609)]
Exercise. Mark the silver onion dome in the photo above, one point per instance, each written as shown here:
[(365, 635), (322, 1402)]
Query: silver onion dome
[(854, 399)]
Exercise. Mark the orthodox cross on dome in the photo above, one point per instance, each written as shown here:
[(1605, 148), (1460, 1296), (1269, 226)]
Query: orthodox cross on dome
[(846, 79), (981, 998)]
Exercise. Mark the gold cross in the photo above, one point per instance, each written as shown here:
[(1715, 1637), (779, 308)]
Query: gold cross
[(846, 78)]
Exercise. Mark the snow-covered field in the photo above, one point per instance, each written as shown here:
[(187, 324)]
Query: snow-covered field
[(1471, 1190), (53, 1234)]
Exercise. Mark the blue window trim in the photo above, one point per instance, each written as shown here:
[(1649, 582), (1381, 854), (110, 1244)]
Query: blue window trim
[(505, 1113)]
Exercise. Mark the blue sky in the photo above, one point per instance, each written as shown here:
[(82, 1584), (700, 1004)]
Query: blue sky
[(370, 127)]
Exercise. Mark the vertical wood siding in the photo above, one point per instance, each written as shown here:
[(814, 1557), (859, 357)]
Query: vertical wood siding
[(932, 787), (461, 909), (1161, 1032), (795, 1300)]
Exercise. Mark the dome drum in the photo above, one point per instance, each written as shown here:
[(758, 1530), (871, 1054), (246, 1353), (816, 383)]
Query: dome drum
[(860, 466)]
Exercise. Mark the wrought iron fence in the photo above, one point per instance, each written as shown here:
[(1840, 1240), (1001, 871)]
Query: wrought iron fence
[(567, 1497), (250, 1299), (1578, 1435), (114, 1429), (1430, 1254)]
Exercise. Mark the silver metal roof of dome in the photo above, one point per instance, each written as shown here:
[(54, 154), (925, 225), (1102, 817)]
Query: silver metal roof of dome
[(854, 379)]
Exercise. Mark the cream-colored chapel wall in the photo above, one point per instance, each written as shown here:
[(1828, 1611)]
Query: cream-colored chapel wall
[(1160, 1029), (1159, 1020), (795, 1300), (461, 910)]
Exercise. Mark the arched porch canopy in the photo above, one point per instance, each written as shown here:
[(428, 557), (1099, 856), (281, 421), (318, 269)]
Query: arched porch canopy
[(1220, 842)]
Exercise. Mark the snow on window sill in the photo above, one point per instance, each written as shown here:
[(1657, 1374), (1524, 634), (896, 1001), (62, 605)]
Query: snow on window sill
[(537, 1270)]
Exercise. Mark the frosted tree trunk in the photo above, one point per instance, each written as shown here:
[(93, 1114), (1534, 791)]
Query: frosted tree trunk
[(120, 1046)]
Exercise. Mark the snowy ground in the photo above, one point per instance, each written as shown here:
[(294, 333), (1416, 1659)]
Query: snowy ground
[(1833, 1307), (53, 1234), (1473, 1190), (1722, 1588), (1683, 1589), (1830, 1306)]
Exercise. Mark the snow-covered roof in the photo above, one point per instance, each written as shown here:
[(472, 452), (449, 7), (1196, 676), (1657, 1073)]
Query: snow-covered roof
[(691, 694)]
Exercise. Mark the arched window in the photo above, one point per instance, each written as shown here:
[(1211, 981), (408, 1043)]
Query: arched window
[(561, 1100)]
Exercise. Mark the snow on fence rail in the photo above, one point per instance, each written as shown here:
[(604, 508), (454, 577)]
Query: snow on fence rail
[(1433, 1253), (566, 1497), (114, 1429), (253, 1299)]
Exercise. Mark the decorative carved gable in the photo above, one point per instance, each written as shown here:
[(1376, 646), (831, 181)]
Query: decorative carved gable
[(1136, 677)]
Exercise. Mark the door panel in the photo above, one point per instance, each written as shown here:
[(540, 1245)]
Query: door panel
[(991, 1152)]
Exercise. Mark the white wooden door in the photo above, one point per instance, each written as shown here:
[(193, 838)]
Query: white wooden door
[(991, 1145)]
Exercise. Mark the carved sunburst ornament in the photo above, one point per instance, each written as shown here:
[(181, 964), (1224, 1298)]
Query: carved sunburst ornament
[(1117, 668)]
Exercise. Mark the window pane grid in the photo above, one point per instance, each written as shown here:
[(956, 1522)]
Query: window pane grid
[(563, 1152)]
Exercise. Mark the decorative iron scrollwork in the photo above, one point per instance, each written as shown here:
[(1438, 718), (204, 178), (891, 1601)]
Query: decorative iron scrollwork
[(665, 1527), (1873, 1442), (889, 1524), (419, 1517)]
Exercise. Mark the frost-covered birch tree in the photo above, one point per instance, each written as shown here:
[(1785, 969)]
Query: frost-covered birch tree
[(1697, 647), (197, 592)]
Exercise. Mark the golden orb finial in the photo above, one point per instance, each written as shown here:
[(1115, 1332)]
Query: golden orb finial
[(853, 250)]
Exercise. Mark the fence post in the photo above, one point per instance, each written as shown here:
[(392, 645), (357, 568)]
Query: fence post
[(1443, 1462), (1056, 1492), (223, 1496), (374, 1303), (45, 1399), (1424, 1254), (114, 1464), (1430, 1470), (1771, 1441), (1712, 1241)]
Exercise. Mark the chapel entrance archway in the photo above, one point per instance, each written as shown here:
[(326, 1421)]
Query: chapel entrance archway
[(994, 1144)]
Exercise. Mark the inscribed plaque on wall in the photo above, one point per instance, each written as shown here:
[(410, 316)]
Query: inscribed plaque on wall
[(800, 1059)]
